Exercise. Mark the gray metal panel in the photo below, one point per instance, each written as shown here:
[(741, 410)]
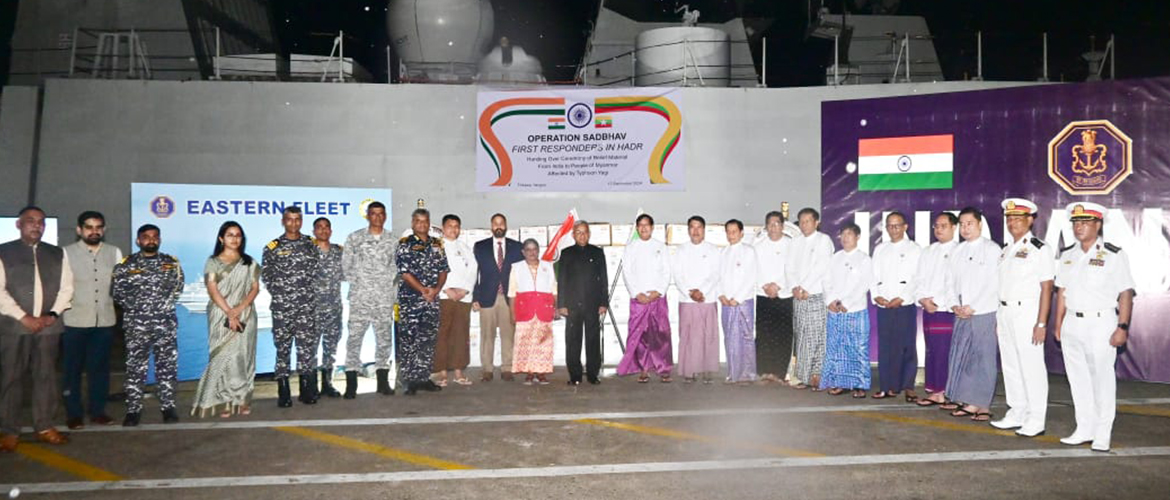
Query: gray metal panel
[(18, 128)]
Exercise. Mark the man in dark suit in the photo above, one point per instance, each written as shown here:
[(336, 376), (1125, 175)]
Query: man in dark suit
[(582, 299), (495, 257)]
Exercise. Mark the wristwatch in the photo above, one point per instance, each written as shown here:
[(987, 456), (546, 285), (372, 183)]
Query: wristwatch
[(51, 313), (1040, 325), (1123, 326)]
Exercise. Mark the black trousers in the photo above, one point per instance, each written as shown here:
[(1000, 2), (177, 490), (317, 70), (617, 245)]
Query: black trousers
[(587, 323)]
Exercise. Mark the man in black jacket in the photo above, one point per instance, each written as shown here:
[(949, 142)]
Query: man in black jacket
[(582, 299)]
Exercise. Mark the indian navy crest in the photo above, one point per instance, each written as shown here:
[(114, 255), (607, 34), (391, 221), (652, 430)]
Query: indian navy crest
[(162, 206), (1090, 157)]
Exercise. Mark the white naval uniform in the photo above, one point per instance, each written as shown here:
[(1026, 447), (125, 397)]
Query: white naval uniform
[(1023, 266), (1092, 282)]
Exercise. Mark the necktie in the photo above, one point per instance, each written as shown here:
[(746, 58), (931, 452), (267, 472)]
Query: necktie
[(500, 265)]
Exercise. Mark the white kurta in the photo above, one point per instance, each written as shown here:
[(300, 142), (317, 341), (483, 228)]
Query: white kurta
[(973, 277), (646, 267), (808, 264), (696, 267), (772, 257), (464, 268), (737, 272), (895, 266), (932, 273), (850, 278)]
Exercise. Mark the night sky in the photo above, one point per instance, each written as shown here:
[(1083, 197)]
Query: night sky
[(556, 31)]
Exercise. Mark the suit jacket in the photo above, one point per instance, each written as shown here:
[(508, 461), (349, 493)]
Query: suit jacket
[(490, 277), (582, 282)]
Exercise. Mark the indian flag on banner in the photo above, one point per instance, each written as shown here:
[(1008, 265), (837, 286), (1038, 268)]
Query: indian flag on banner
[(906, 163), (556, 123)]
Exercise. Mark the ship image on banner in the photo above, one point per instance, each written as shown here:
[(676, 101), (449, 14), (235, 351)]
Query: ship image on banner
[(1090, 157), (580, 140), (906, 163)]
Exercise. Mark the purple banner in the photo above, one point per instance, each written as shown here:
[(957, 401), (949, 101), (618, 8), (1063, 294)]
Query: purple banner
[(1106, 142)]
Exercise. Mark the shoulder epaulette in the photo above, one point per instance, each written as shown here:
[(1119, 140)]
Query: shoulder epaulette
[(1112, 248), (339, 247), (1003, 245), (403, 239), (125, 259), (438, 242), (1070, 247), (273, 244), (1037, 242), (172, 257)]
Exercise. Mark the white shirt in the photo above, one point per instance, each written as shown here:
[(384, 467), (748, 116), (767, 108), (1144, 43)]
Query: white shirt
[(646, 267), (1023, 267), (1092, 280), (771, 257), (737, 272), (521, 279), (463, 268), (696, 267), (930, 280), (973, 277), (808, 263), (61, 303), (894, 266), (850, 277)]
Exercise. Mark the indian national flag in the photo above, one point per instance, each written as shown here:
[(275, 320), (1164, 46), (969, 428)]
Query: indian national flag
[(556, 123), (906, 163), (558, 242)]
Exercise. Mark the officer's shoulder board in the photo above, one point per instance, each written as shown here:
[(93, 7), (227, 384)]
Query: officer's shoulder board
[(125, 259), (171, 258), (1112, 248), (1037, 242), (339, 247), (437, 242), (273, 244), (403, 239)]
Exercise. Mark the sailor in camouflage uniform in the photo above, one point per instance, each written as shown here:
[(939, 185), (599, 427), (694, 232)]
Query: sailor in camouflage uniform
[(328, 303), (423, 266), (147, 284), (368, 266), (289, 271)]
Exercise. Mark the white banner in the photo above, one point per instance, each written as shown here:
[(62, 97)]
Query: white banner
[(627, 139)]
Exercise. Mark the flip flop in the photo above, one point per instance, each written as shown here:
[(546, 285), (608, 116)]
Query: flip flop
[(950, 405), (859, 394), (441, 383), (643, 379), (836, 391), (463, 381), (881, 395), (927, 402), (962, 413), (983, 416)]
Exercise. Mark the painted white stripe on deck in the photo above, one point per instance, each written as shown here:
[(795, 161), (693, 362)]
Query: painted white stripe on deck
[(589, 470), (551, 417)]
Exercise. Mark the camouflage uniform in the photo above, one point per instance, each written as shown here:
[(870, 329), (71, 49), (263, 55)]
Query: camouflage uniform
[(418, 326), (289, 271), (368, 265), (328, 303), (147, 289)]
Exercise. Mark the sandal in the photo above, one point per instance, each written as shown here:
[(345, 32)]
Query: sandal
[(911, 397), (882, 395), (962, 412), (983, 416), (666, 379), (642, 379), (950, 405), (836, 391), (689, 380), (463, 381), (859, 394), (801, 386), (245, 410), (540, 379), (442, 382), (927, 402)]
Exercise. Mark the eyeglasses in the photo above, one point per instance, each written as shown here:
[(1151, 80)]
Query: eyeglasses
[(942, 226), (894, 226)]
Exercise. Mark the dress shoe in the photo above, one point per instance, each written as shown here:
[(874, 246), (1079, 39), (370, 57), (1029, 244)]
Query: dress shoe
[(1101, 445), (51, 436), (1075, 440), (411, 388), (487, 377), (430, 386), (75, 423), (131, 419), (102, 420), (1029, 432), (574, 382), (8, 442), (594, 380), (1006, 424), (170, 416), (506, 376)]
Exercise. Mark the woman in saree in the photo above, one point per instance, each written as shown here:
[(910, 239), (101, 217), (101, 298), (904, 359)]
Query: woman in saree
[(233, 281), (533, 287)]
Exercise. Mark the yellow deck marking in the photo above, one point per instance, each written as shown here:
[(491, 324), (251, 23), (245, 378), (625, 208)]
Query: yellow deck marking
[(670, 433), (1149, 412), (959, 425), (383, 451), (61, 462)]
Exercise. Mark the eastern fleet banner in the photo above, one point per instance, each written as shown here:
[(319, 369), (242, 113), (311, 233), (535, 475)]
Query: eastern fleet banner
[(189, 216), (626, 139), (1106, 142)]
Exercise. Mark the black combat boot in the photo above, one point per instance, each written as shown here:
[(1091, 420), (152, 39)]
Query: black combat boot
[(384, 382), (283, 393), (350, 385), (327, 384), (170, 416), (308, 393), (132, 419)]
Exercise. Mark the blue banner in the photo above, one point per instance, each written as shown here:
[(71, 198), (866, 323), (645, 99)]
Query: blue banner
[(189, 216)]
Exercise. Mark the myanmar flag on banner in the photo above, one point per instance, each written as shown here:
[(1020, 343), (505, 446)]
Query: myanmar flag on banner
[(906, 163)]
